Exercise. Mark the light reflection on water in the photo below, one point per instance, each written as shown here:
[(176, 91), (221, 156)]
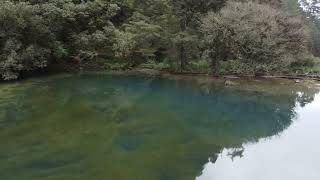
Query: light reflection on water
[(292, 155), (129, 128)]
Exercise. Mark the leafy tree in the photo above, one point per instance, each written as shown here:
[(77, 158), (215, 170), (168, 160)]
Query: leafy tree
[(37, 32), (189, 13), (263, 38), (311, 10), (143, 35), (257, 36), (146, 33), (26, 42)]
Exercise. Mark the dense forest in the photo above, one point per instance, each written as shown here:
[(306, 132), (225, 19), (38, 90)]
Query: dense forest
[(210, 36)]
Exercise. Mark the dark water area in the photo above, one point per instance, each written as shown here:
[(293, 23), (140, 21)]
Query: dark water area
[(103, 127)]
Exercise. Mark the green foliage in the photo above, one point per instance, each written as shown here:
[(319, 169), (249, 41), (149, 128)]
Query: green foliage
[(200, 66), (264, 38), (138, 38), (234, 67), (311, 12), (310, 66), (36, 33), (179, 35), (315, 69), (151, 64), (117, 66), (25, 39)]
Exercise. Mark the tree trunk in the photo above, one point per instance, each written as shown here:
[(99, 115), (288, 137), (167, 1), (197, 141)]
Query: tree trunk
[(214, 62), (182, 57)]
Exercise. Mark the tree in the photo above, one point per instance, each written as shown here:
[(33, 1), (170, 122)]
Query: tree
[(143, 35), (311, 11), (188, 13), (26, 42), (38, 33), (35, 33), (262, 38)]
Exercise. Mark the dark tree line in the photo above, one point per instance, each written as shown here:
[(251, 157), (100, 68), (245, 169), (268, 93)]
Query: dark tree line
[(217, 36)]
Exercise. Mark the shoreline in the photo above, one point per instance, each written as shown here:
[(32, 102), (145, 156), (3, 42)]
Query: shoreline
[(152, 72), (206, 83), (298, 79), (225, 80)]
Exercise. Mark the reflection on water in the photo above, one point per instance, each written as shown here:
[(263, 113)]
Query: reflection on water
[(292, 155), (127, 128)]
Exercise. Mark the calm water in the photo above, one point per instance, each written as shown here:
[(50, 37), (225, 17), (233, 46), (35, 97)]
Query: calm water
[(104, 127)]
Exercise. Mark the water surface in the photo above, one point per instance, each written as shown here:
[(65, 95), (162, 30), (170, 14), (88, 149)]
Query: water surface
[(131, 128)]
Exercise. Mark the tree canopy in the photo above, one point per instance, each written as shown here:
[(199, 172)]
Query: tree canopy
[(262, 38), (183, 35)]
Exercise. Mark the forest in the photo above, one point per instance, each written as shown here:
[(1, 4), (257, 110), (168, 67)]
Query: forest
[(243, 37)]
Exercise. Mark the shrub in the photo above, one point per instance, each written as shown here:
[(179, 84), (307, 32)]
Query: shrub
[(310, 66), (151, 64), (200, 66)]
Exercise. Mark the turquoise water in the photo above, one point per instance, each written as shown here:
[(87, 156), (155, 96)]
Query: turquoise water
[(103, 127)]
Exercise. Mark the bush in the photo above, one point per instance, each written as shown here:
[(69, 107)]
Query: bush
[(151, 64), (200, 66), (233, 67), (117, 65), (311, 66)]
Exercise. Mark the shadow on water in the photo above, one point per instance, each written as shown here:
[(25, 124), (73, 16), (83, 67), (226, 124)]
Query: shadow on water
[(128, 128)]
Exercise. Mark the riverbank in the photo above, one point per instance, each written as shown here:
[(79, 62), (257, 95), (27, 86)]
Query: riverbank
[(151, 72), (226, 80), (206, 82)]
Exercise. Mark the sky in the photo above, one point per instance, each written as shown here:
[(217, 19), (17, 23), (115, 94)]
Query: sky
[(310, 1)]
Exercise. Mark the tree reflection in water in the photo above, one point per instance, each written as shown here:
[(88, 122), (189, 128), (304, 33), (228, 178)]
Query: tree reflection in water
[(129, 128)]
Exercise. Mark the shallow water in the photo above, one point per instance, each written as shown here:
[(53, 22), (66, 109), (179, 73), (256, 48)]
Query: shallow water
[(104, 127)]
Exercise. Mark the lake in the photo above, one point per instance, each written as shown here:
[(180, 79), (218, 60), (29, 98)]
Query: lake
[(107, 127)]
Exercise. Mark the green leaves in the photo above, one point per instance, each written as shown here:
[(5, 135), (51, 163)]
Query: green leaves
[(22, 44), (35, 33), (187, 34), (261, 37)]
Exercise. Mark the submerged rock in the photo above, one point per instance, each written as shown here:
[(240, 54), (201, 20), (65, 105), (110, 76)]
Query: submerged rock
[(230, 83), (298, 81), (102, 108)]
